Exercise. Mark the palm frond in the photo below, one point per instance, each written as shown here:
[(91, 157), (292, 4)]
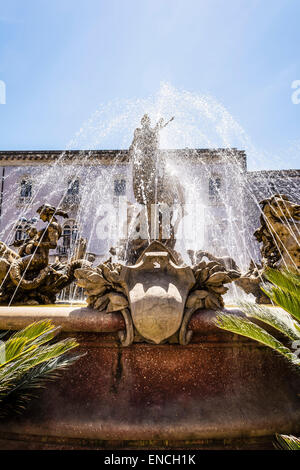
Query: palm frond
[(284, 290), (35, 330), (29, 338), (284, 279), (26, 388), (288, 442), (245, 327), (286, 300), (12, 370), (35, 334), (275, 317), (30, 361)]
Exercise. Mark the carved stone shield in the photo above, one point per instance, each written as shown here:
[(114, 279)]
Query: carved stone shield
[(157, 290)]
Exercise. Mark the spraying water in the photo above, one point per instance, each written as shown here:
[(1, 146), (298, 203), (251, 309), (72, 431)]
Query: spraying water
[(218, 194)]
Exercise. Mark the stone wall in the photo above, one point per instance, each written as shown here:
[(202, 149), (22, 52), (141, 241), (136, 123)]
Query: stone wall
[(220, 391)]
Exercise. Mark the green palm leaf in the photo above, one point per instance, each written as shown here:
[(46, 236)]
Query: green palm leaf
[(284, 291), (245, 327), (284, 279), (286, 300), (275, 317), (32, 358), (25, 389), (36, 330), (288, 442)]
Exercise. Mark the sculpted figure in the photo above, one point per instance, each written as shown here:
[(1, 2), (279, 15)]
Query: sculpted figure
[(148, 166), (27, 245), (226, 261), (152, 185), (27, 277), (279, 235), (35, 253), (279, 232)]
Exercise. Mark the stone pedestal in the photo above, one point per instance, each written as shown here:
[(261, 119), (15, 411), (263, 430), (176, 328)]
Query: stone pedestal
[(220, 391)]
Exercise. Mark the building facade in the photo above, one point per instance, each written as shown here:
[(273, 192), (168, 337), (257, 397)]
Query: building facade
[(220, 195)]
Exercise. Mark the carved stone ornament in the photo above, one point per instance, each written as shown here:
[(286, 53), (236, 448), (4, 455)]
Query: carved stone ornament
[(157, 290), (155, 296)]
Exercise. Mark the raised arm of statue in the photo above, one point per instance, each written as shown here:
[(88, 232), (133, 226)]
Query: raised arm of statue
[(161, 124)]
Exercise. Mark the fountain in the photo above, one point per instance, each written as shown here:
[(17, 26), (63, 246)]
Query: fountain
[(158, 372), (161, 294)]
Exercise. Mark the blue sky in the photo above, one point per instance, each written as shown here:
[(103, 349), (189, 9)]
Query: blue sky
[(61, 58)]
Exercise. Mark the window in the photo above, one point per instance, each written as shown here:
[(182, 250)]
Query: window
[(74, 234), (71, 198), (70, 234), (120, 187), (73, 187), (67, 236), (20, 234), (26, 189), (214, 187), (273, 188), (21, 229)]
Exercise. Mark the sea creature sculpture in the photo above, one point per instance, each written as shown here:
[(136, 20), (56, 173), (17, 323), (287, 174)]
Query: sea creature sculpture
[(279, 235), (27, 277)]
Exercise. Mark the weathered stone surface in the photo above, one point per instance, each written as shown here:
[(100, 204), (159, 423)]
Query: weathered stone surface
[(156, 296), (27, 277), (279, 232), (69, 318), (157, 290), (279, 235), (220, 387)]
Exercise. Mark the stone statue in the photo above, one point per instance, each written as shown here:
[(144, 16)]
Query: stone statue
[(27, 277), (225, 261), (151, 183), (279, 232), (148, 166), (279, 235), (251, 282)]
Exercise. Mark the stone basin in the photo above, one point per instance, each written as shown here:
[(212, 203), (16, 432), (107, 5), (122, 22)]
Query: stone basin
[(220, 391)]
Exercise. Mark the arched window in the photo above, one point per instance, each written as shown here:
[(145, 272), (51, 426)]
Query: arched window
[(70, 234), (67, 236), (73, 187), (74, 234), (25, 189), (214, 186), (22, 227), (19, 234), (120, 187)]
